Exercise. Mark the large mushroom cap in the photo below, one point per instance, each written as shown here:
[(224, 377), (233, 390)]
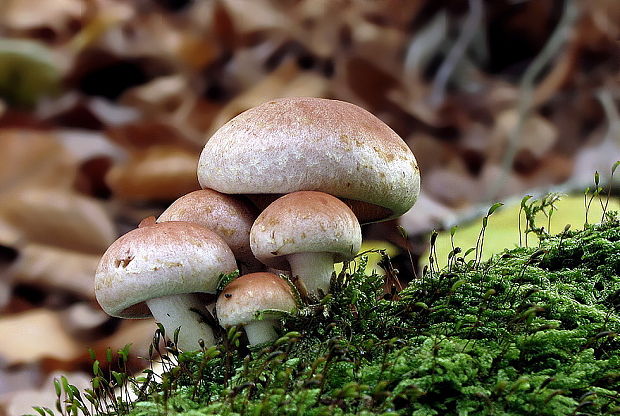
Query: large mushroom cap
[(228, 216), (251, 293), (170, 258), (305, 221), (294, 144)]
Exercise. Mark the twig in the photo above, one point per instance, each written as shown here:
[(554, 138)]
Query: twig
[(611, 112), (558, 38), (606, 99), (470, 28)]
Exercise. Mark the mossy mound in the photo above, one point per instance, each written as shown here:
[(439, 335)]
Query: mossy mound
[(533, 331)]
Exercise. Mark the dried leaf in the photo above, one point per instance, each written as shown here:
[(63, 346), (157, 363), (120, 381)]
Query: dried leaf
[(537, 136), (138, 136), (494, 177), (164, 94), (369, 82), (85, 321), (286, 81), (138, 333), (196, 52), (85, 145), (255, 16), (54, 268), (454, 187), (58, 217), (158, 173), (33, 158), (33, 14), (426, 215), (21, 403), (35, 335)]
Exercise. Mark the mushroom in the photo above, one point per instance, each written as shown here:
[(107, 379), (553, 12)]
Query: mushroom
[(249, 294), (301, 143), (228, 216), (161, 269), (309, 230)]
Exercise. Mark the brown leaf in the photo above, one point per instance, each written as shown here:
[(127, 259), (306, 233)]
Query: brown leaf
[(505, 184), (196, 51), (138, 333), (58, 217), (369, 82), (21, 402), (86, 321), (33, 335), (158, 173), (286, 81), (33, 14), (255, 16), (163, 94), (55, 268), (426, 215), (33, 157), (429, 151), (139, 135), (453, 186), (538, 135)]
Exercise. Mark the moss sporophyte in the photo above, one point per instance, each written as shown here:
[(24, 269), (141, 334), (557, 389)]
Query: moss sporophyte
[(532, 331)]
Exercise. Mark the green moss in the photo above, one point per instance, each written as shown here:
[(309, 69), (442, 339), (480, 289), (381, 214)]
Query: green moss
[(504, 231), (530, 331)]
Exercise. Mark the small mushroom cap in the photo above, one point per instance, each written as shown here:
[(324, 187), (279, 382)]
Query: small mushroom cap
[(228, 216), (305, 222), (170, 258), (313, 144), (245, 296)]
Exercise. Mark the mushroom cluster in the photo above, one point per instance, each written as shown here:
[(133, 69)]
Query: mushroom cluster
[(286, 186)]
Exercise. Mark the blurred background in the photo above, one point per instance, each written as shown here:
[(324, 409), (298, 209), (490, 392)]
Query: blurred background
[(106, 104)]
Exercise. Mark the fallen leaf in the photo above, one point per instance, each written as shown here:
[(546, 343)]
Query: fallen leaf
[(13, 379), (255, 16), (157, 173), (60, 218), (21, 402), (286, 81), (36, 334), (162, 94), (426, 215), (55, 268), (33, 14), (138, 333), (31, 157), (453, 187), (86, 321), (140, 135), (537, 136)]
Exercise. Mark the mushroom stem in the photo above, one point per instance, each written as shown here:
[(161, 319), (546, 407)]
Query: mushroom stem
[(313, 269), (259, 332), (182, 311)]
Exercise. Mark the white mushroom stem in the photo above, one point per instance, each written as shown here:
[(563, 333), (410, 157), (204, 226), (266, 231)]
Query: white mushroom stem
[(259, 332), (181, 311), (313, 269)]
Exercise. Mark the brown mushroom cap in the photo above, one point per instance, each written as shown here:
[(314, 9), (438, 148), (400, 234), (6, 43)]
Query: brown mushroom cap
[(300, 143), (305, 221), (245, 296), (228, 216), (153, 261)]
